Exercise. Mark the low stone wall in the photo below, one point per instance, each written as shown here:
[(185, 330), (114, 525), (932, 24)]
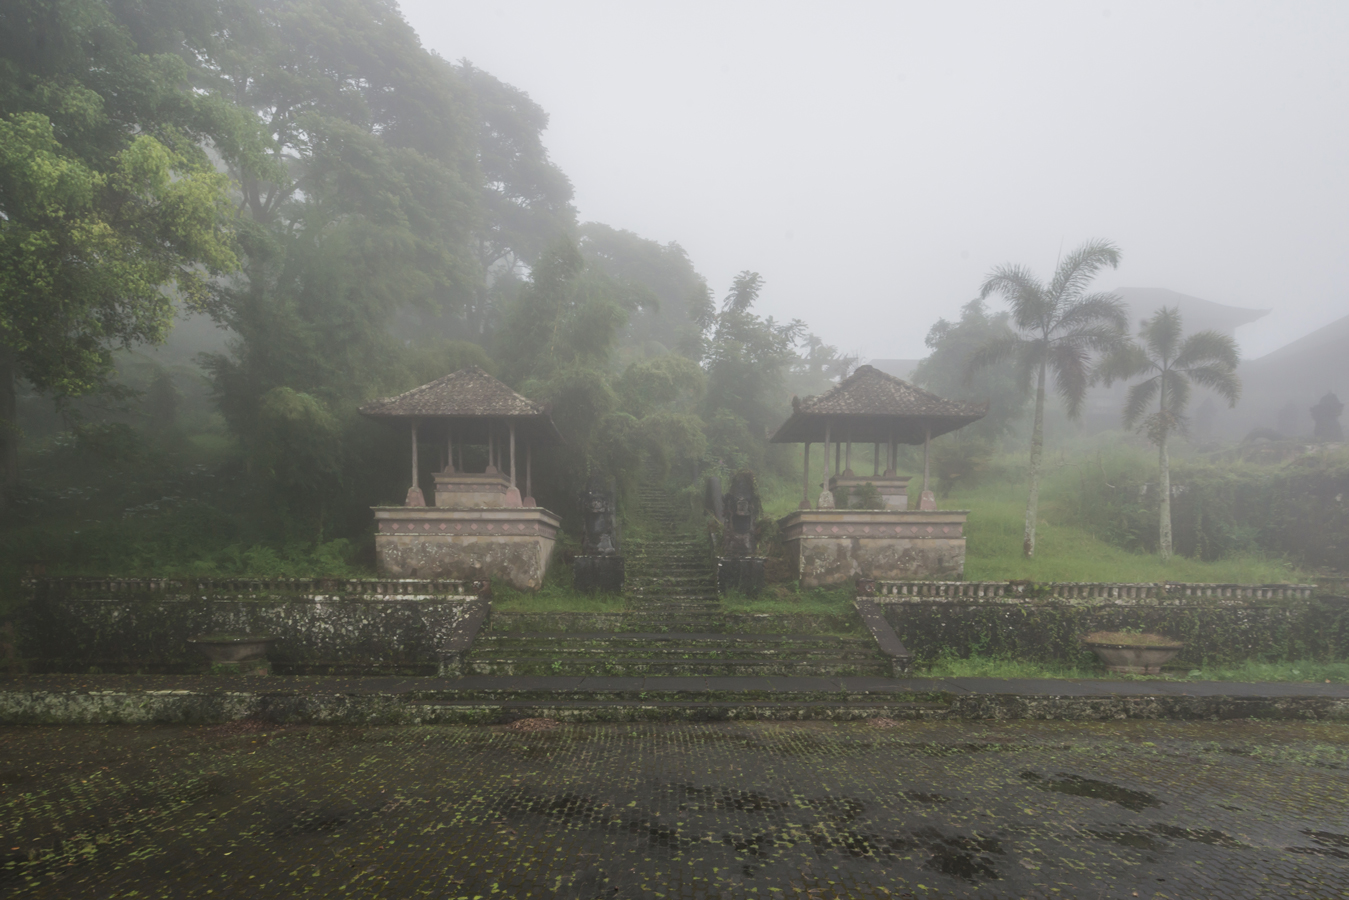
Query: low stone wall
[(323, 626), (513, 545), (1219, 623), (827, 547)]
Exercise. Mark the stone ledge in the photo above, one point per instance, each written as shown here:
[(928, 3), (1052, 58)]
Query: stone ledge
[(884, 591), (369, 708)]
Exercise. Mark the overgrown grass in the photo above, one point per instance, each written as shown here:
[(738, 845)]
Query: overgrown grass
[(1065, 552), (556, 596), (1252, 671), (952, 666)]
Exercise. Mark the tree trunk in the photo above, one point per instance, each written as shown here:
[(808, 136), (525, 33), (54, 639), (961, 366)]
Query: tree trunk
[(9, 427), (1037, 446), (1164, 524)]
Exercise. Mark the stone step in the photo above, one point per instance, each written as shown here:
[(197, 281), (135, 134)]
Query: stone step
[(609, 647), (467, 711), (704, 667)]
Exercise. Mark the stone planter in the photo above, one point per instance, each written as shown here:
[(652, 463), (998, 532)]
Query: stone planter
[(236, 652), (1133, 654)]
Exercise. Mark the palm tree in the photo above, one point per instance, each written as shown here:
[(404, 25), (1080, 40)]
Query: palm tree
[(1208, 358), (1056, 327)]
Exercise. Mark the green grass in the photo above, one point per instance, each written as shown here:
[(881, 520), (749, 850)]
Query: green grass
[(1307, 671), (554, 597), (1063, 552)]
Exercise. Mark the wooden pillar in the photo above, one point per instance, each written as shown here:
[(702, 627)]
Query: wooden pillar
[(838, 457), (529, 484), (805, 480), (449, 450), (876, 459), (847, 454), (414, 496), (512, 492), (490, 468), (414, 453), (927, 444), (826, 454)]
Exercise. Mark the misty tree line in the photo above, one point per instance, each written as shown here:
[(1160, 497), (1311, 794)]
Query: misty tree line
[(363, 216)]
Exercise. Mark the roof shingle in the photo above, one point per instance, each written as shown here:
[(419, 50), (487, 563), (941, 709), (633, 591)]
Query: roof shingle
[(871, 406), (468, 392)]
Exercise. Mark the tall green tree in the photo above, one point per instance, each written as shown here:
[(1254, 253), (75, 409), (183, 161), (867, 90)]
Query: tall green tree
[(946, 369), (665, 270), (1055, 327), (367, 210), (747, 358), (110, 208), (1175, 362)]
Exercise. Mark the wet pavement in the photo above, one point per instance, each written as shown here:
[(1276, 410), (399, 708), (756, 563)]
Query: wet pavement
[(814, 810)]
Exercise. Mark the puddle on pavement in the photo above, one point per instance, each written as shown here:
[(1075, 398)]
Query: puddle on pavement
[(1064, 783)]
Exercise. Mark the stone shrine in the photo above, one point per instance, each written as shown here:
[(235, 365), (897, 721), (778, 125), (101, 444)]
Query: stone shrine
[(842, 539), (481, 526)]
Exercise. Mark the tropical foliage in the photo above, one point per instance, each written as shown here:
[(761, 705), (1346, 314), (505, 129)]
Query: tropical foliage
[(1157, 405), (1055, 328)]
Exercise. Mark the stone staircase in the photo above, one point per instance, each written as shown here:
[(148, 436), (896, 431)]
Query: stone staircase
[(673, 624)]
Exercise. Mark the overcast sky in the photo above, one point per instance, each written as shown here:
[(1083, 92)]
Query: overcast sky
[(874, 160)]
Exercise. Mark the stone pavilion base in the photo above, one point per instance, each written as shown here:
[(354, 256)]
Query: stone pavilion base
[(509, 545), (828, 547)]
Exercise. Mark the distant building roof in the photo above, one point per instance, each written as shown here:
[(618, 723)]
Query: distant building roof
[(469, 394), (1198, 314), (871, 406)]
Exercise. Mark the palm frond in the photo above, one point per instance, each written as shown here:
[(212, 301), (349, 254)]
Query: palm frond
[(1161, 333), (1139, 399), (1080, 267), (1206, 347), (995, 350), (1177, 392), (1023, 292), (1219, 379), (1072, 373), (1095, 309), (1127, 361), (1098, 338), (1027, 367)]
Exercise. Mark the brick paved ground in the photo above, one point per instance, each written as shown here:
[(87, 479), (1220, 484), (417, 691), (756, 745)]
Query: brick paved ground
[(818, 810)]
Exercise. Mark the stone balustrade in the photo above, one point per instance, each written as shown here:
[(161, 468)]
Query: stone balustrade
[(87, 587), (928, 591)]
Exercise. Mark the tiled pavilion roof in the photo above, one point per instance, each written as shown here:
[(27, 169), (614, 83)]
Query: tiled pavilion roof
[(466, 395), (871, 406)]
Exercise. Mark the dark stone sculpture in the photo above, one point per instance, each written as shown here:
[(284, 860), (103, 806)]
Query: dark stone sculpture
[(599, 567), (737, 567), (742, 510), (600, 511), (1326, 415)]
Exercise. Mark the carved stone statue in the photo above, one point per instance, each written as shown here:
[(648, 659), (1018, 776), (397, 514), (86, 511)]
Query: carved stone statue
[(1326, 415), (600, 511), (742, 509)]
